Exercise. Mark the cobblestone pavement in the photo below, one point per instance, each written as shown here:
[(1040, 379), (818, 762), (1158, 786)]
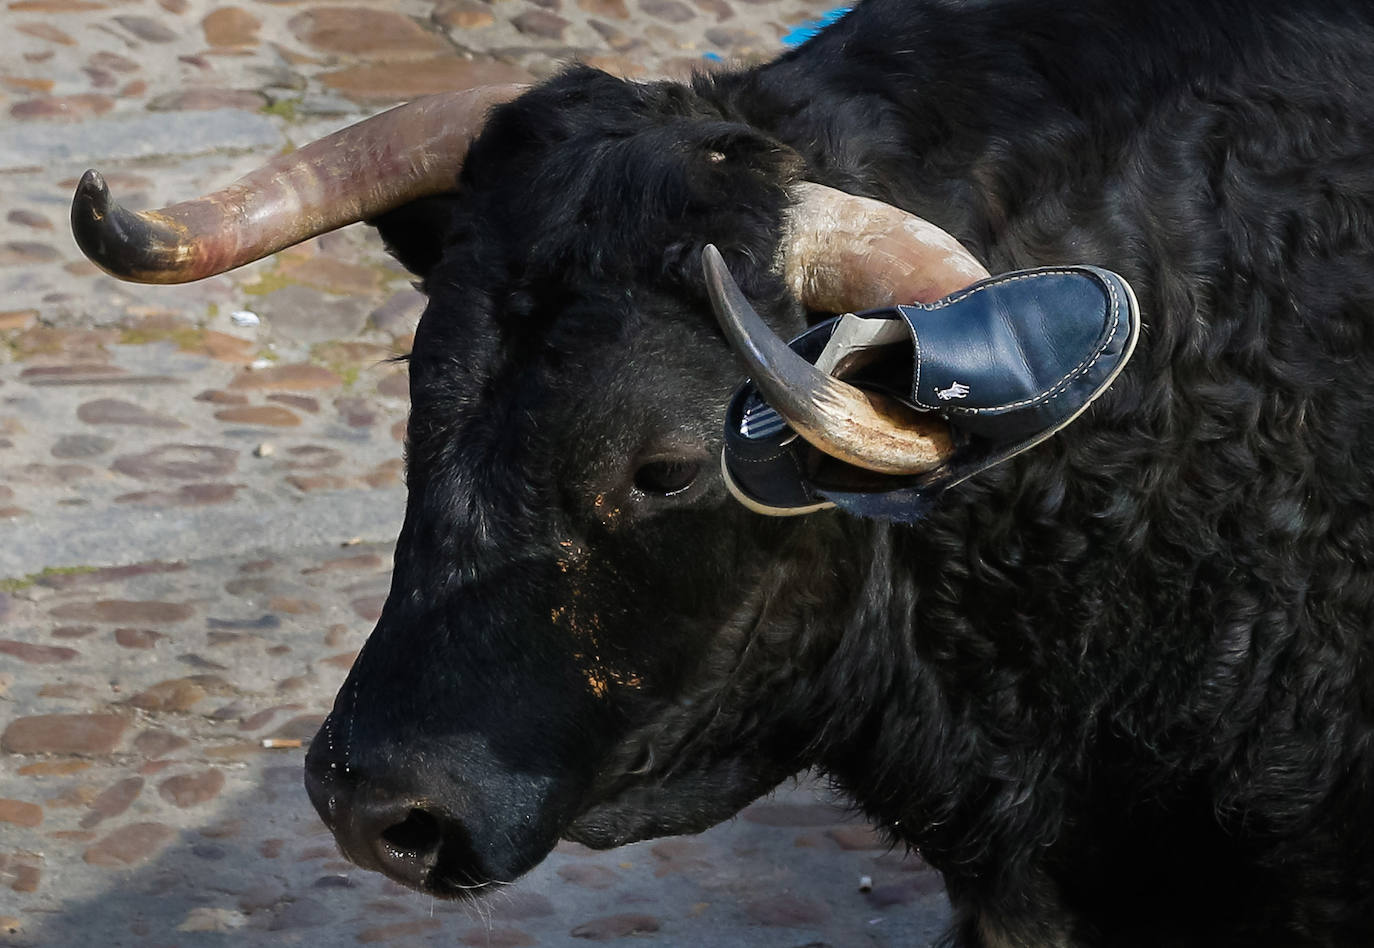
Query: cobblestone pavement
[(199, 487)]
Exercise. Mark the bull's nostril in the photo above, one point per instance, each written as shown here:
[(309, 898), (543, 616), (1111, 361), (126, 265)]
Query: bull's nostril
[(431, 851), (402, 834), (416, 837)]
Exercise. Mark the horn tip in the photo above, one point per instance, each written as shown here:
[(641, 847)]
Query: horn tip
[(91, 206), (711, 259), (92, 195), (116, 240)]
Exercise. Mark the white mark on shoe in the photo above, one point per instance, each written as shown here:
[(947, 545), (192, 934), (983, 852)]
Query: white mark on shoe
[(957, 390), (761, 420)]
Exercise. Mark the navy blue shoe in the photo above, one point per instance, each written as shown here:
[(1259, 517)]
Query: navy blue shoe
[(1004, 364)]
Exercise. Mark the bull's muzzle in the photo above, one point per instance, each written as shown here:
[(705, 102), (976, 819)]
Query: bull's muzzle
[(401, 811)]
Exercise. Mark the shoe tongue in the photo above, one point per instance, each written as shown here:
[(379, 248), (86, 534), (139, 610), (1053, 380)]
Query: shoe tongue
[(854, 334)]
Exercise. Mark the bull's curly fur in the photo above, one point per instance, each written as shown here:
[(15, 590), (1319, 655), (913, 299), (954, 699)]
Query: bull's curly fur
[(1119, 691)]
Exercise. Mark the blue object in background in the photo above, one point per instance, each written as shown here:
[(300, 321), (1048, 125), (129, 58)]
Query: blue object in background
[(798, 34), (804, 31)]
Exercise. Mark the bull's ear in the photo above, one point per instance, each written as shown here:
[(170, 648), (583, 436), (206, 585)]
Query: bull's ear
[(417, 233)]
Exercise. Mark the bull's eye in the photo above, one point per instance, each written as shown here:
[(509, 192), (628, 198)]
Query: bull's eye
[(667, 476)]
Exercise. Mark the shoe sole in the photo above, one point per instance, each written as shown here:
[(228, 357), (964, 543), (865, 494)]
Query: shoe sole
[(738, 493), (767, 511)]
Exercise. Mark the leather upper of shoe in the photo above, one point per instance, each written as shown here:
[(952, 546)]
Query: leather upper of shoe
[(1011, 353)]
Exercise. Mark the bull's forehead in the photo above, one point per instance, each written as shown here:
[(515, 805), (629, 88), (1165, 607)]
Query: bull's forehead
[(511, 354), (526, 422)]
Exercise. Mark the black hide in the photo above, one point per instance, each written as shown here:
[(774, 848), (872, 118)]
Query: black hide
[(1118, 691)]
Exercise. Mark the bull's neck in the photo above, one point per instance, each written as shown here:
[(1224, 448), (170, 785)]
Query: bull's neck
[(858, 635), (961, 114), (895, 695)]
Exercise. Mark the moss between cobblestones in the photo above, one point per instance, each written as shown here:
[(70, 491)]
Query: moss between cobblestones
[(287, 109), (185, 337), (348, 373), (24, 582), (337, 357), (36, 340), (268, 282)]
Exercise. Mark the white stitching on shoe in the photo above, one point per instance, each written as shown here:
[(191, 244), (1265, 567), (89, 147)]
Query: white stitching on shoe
[(1059, 387), (916, 389), (801, 476), (771, 457), (1081, 369)]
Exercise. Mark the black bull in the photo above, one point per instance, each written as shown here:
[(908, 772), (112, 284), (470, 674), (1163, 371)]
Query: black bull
[(1119, 691)]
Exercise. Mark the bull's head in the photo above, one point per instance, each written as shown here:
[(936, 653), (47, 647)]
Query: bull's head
[(585, 637)]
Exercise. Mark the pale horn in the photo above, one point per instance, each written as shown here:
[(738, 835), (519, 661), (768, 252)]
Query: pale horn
[(411, 151), (842, 253)]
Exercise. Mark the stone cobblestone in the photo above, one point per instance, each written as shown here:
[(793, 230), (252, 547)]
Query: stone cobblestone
[(200, 485)]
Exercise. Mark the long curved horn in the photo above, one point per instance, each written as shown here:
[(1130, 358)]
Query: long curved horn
[(864, 428), (842, 253), (356, 173), (839, 253)]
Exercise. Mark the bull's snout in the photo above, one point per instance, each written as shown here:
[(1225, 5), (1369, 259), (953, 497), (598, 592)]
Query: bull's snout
[(445, 819), (390, 829)]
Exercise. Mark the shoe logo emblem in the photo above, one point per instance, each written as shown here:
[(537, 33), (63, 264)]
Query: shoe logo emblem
[(957, 390)]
